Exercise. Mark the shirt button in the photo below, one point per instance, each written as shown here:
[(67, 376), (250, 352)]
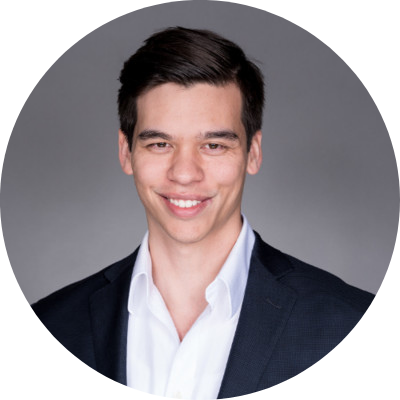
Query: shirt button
[(178, 395)]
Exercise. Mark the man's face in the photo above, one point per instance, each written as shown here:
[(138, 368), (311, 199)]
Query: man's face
[(189, 159)]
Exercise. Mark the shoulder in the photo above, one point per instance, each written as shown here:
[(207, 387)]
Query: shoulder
[(312, 310), (310, 281), (74, 298), (315, 289)]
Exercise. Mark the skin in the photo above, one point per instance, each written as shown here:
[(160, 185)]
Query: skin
[(190, 144)]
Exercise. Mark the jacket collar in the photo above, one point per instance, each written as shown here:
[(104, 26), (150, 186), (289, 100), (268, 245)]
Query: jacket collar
[(266, 307), (109, 318)]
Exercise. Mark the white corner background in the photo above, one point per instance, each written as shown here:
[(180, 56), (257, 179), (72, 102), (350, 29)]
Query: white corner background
[(34, 34)]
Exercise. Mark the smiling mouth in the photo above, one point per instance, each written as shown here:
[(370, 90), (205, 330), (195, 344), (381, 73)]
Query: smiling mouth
[(184, 203)]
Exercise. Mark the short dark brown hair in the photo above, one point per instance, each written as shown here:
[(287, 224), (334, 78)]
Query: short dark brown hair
[(188, 56)]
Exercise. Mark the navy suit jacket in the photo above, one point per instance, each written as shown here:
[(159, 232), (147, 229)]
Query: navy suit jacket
[(292, 315)]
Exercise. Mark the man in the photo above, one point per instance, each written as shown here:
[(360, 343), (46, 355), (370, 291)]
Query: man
[(203, 308)]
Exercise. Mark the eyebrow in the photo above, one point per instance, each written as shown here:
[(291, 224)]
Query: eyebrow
[(153, 134), (229, 135), (149, 134)]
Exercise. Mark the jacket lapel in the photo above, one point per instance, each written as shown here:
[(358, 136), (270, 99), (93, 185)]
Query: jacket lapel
[(109, 317), (266, 307)]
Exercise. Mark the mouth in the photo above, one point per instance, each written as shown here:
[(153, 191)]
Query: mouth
[(185, 205)]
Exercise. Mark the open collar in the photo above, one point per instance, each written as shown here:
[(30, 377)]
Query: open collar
[(265, 310)]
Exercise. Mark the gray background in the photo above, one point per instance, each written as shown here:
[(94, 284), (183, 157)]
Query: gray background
[(327, 192)]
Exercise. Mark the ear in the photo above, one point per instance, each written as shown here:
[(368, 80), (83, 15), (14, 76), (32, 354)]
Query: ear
[(124, 153), (254, 158)]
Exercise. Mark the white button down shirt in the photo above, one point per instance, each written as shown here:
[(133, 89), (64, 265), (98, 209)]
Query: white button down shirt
[(157, 361)]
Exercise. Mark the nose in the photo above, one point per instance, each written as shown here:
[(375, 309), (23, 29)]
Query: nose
[(185, 167)]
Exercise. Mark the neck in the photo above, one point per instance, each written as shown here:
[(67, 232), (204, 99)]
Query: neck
[(182, 271), (192, 260)]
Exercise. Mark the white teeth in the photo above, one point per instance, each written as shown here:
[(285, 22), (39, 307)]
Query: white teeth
[(184, 203)]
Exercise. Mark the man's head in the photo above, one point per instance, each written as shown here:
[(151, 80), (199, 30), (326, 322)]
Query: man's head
[(186, 57), (190, 108)]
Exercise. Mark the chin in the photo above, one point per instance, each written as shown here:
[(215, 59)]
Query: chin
[(186, 235)]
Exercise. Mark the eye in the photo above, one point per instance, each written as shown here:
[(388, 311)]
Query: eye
[(214, 148), (159, 147)]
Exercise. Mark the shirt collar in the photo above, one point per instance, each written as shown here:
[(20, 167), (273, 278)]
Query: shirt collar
[(232, 277), (227, 288), (142, 280), (143, 259)]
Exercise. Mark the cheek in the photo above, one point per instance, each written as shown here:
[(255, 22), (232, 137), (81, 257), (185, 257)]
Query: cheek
[(146, 172), (228, 174)]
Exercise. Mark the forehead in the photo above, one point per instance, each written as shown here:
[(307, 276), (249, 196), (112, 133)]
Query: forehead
[(200, 107)]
